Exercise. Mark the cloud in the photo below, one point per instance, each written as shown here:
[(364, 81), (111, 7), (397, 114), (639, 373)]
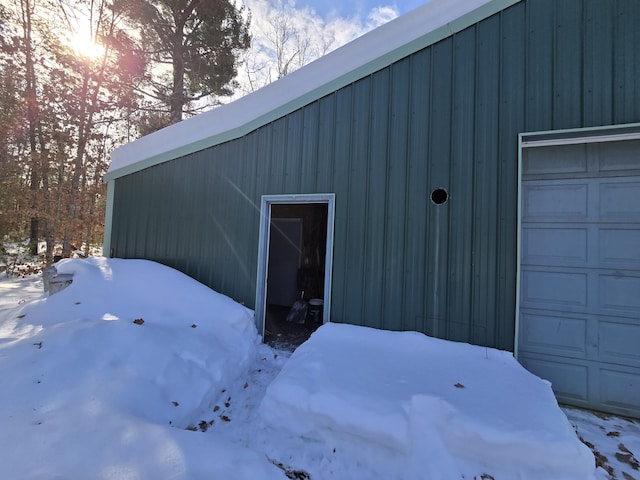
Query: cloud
[(381, 15), (286, 37)]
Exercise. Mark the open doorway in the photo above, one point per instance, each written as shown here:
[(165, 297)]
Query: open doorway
[(294, 271)]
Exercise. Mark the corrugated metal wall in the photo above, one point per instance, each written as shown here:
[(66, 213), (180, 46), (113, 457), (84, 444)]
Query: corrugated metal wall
[(447, 116)]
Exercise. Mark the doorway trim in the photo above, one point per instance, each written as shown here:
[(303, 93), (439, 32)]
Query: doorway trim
[(263, 249)]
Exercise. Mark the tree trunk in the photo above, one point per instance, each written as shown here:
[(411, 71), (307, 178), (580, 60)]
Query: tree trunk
[(49, 222), (88, 101), (177, 100), (33, 119), (78, 165), (34, 234)]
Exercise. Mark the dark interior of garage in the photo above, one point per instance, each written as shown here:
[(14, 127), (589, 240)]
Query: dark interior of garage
[(296, 273)]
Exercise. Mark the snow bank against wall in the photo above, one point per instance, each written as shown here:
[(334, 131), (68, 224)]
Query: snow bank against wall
[(184, 332), (101, 379), (416, 407)]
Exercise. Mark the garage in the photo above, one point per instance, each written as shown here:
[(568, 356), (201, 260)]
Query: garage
[(410, 138), (579, 266)]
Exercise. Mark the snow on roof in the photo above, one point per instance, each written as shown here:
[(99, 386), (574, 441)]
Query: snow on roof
[(377, 49)]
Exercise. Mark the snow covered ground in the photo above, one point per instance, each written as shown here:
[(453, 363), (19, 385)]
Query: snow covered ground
[(136, 371)]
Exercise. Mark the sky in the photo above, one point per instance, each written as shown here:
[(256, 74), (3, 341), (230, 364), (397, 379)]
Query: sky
[(136, 371), (358, 8), (320, 26)]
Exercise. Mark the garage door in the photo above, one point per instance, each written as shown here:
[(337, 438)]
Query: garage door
[(579, 290)]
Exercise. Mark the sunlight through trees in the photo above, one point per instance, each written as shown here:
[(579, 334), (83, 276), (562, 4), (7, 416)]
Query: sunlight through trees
[(81, 77)]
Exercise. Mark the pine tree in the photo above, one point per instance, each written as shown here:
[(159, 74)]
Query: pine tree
[(193, 46)]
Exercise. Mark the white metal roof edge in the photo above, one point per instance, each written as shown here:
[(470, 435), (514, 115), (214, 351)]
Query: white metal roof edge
[(363, 56)]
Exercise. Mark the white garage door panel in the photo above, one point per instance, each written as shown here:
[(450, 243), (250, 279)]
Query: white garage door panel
[(620, 202), (557, 202), (564, 336), (619, 388), (588, 383), (586, 337), (564, 159), (551, 290), (619, 247), (550, 245), (617, 156), (619, 342), (619, 294), (615, 246), (579, 285), (607, 292)]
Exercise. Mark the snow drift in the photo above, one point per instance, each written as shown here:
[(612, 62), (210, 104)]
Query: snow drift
[(433, 408), (88, 393), (104, 379)]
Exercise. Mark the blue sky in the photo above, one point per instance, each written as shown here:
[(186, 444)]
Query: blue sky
[(350, 8)]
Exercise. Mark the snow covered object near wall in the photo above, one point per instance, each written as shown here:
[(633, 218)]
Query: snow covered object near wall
[(431, 408), (53, 282)]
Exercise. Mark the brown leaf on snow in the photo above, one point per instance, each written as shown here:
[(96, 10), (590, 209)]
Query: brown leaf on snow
[(194, 325), (175, 404), (290, 472), (138, 321), (38, 344), (459, 385), (624, 449), (246, 384), (627, 457), (227, 404), (224, 418), (21, 316), (624, 457), (216, 408), (613, 434)]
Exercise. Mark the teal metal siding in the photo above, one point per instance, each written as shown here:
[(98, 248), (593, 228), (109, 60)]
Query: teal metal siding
[(447, 116)]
